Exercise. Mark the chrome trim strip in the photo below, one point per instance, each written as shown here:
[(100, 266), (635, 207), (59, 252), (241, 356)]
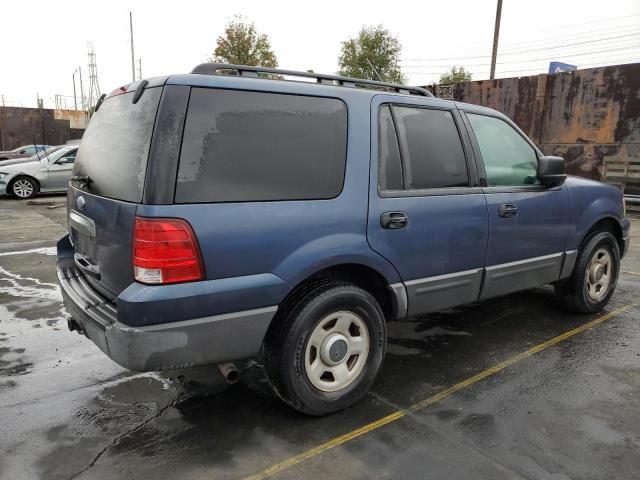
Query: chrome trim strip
[(523, 262), (520, 275), (443, 291), (446, 276)]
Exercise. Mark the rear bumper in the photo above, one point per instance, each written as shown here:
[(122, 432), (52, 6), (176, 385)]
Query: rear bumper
[(166, 346)]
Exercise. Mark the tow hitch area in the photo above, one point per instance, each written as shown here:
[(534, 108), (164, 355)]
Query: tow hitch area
[(73, 326)]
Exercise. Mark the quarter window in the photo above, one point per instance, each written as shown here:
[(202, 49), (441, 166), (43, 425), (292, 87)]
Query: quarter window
[(508, 158), (389, 152), (241, 146), (431, 148)]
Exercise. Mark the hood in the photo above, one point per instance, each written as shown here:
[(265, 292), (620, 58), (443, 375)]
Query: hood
[(4, 163), (577, 182), (24, 167)]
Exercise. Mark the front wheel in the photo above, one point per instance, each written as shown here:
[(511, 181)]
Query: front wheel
[(24, 188), (326, 349), (594, 276)]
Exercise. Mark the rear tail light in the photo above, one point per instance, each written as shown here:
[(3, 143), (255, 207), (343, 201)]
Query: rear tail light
[(165, 250)]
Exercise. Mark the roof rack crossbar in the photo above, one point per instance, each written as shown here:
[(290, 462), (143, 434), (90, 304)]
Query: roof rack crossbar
[(248, 71)]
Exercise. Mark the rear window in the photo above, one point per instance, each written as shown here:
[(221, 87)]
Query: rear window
[(243, 146), (115, 146)]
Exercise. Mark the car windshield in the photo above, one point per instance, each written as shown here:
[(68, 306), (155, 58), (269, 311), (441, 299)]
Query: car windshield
[(46, 153)]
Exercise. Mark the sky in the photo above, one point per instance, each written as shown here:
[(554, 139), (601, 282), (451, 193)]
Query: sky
[(43, 42)]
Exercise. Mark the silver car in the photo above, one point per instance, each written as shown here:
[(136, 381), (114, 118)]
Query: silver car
[(48, 174)]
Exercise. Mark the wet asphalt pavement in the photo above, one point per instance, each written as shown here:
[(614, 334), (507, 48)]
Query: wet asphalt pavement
[(570, 410)]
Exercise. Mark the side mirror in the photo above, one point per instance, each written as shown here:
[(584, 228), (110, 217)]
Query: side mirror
[(551, 171)]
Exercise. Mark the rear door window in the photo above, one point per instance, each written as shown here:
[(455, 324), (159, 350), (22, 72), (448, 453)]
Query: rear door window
[(241, 146), (431, 148), (115, 146)]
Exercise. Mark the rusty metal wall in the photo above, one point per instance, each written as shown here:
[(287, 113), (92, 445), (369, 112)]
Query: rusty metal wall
[(589, 116), (23, 126)]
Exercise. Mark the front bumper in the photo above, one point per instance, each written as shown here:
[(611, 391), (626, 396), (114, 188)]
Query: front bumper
[(166, 346), (4, 183)]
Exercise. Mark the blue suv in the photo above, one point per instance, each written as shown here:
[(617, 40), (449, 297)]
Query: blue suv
[(235, 213)]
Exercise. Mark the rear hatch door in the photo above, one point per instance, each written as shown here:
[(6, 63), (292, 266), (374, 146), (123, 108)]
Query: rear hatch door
[(107, 186)]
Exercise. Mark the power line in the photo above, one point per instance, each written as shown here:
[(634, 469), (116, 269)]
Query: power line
[(539, 49), (551, 40), (562, 27), (611, 47)]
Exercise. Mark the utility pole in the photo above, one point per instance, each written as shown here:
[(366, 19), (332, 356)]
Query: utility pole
[(496, 34), (133, 60), (81, 89), (75, 99)]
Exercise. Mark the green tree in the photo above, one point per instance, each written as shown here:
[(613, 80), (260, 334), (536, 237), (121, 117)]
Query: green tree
[(373, 55), (242, 44), (455, 75)]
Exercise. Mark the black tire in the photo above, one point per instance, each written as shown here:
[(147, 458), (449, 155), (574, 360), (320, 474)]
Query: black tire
[(20, 193), (573, 292), (286, 342)]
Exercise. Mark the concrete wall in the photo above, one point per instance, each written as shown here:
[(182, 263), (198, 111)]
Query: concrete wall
[(589, 116), (22, 126)]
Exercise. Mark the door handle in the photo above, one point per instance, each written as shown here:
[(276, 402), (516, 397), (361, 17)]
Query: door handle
[(507, 210), (394, 220)]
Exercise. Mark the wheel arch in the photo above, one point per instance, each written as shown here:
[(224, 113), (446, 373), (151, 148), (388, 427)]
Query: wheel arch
[(607, 223), (391, 297), (18, 177)]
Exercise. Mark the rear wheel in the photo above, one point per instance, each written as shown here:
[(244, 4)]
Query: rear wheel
[(594, 277), (326, 348), (24, 187)]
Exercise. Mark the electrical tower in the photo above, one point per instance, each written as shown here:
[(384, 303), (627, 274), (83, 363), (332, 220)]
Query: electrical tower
[(94, 87)]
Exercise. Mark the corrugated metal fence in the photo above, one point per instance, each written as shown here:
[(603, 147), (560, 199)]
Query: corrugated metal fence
[(591, 117)]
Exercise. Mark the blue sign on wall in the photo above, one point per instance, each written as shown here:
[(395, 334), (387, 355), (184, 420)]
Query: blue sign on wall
[(559, 67)]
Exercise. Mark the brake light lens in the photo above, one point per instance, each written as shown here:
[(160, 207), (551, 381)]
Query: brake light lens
[(165, 250)]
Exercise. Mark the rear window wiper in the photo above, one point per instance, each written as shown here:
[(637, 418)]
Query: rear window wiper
[(83, 180)]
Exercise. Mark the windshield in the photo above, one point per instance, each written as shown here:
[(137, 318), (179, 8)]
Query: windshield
[(46, 153)]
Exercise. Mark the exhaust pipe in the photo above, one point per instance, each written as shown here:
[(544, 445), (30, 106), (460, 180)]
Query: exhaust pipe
[(229, 372)]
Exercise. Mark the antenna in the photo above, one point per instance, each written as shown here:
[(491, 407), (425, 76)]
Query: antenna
[(133, 61), (140, 69), (94, 87)]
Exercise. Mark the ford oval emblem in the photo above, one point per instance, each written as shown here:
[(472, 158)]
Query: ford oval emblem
[(80, 203)]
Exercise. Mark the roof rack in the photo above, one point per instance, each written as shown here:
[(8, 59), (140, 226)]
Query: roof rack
[(335, 80)]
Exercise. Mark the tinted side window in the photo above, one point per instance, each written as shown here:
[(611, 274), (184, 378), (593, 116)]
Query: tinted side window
[(243, 146), (508, 158), (431, 148), (390, 167)]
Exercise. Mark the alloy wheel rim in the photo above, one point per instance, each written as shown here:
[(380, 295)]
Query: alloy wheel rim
[(336, 351), (22, 188), (599, 274)]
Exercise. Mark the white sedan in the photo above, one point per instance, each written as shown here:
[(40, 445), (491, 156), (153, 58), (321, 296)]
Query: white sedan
[(48, 174)]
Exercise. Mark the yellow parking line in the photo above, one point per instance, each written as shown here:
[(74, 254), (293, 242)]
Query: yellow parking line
[(630, 273), (438, 397)]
